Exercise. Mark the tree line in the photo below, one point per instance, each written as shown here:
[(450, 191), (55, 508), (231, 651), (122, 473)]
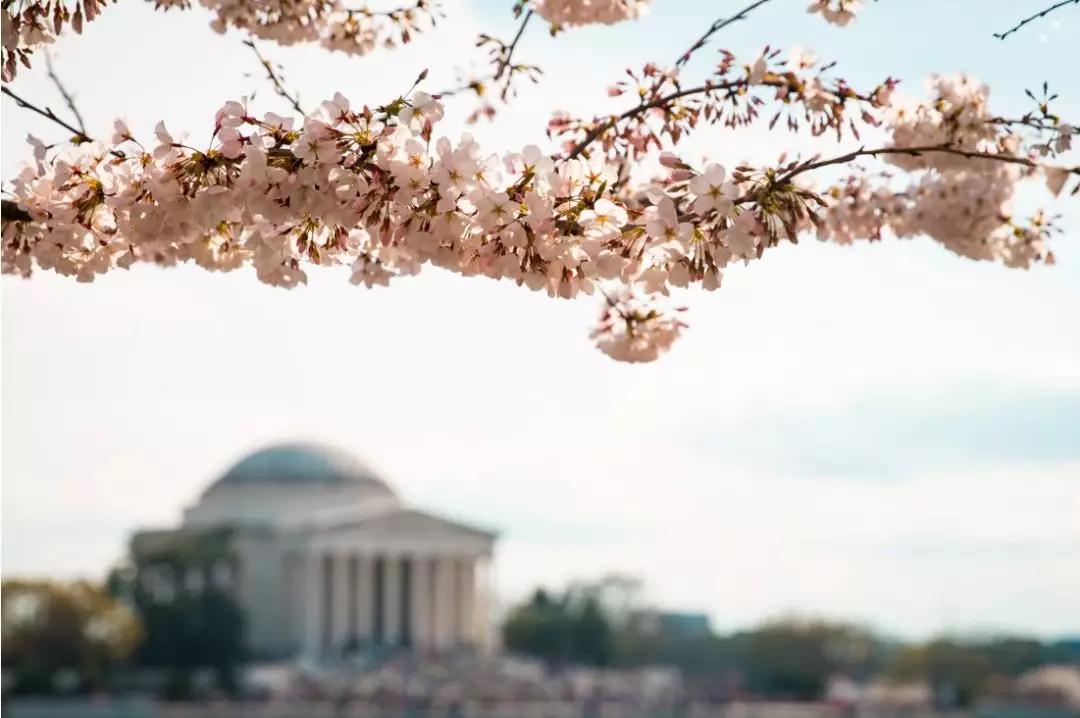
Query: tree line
[(789, 658)]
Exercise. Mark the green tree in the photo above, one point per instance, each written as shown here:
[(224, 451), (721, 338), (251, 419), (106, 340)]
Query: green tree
[(52, 629), (794, 658), (573, 628), (541, 628), (593, 637), (189, 624), (957, 672)]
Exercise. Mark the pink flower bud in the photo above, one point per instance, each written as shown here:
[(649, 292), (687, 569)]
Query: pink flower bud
[(669, 159)]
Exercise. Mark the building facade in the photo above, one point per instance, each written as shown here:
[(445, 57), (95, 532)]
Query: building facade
[(322, 557)]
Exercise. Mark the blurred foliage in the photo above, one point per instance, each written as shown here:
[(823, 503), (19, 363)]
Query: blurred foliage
[(63, 637), (794, 658), (789, 658), (189, 624), (571, 628)]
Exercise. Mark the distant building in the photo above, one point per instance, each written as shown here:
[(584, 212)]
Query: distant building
[(321, 556), (673, 624)]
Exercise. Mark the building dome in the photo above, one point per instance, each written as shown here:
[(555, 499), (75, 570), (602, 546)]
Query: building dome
[(301, 466), (289, 484)]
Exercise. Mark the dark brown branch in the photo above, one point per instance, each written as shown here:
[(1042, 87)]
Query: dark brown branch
[(279, 85), (603, 127), (717, 27), (68, 97), (913, 151), (504, 66), (1026, 121), (1036, 16), (419, 5), (10, 211), (79, 136)]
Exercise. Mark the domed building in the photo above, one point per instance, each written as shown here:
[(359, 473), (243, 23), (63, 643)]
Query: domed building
[(322, 556)]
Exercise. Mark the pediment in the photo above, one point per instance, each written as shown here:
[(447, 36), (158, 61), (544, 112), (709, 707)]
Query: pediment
[(409, 523)]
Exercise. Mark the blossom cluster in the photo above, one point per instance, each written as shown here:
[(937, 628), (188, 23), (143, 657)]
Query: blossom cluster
[(838, 12), (802, 91), (374, 190), (960, 197), (330, 23), (29, 25), (333, 24), (565, 13), (634, 327)]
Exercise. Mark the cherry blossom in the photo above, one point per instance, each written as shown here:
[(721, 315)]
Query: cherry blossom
[(838, 12), (585, 12), (635, 327), (381, 193)]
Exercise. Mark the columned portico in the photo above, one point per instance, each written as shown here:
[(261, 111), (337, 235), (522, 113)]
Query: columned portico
[(389, 599), (330, 559)]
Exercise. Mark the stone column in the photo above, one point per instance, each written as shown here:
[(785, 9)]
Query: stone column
[(407, 566), (313, 602), (392, 600), (365, 606), (444, 602), (482, 601), (339, 606), (465, 632), (421, 603)]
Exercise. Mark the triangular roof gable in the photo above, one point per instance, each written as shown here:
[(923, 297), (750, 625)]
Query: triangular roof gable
[(412, 523)]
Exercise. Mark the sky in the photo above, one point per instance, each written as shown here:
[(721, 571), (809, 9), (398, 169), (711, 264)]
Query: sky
[(885, 433)]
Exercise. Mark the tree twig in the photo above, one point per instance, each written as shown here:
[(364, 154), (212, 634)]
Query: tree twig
[(603, 127), (716, 27), (719, 25), (419, 5), (1042, 13), (47, 113), (504, 65), (68, 97), (914, 151), (279, 85)]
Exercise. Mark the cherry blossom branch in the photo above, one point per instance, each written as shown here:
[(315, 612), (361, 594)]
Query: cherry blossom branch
[(660, 102), (504, 65), (372, 190), (79, 136), (68, 97), (913, 151), (592, 135), (1032, 122), (279, 85), (37, 23), (829, 102), (392, 14), (1036, 16), (716, 27)]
